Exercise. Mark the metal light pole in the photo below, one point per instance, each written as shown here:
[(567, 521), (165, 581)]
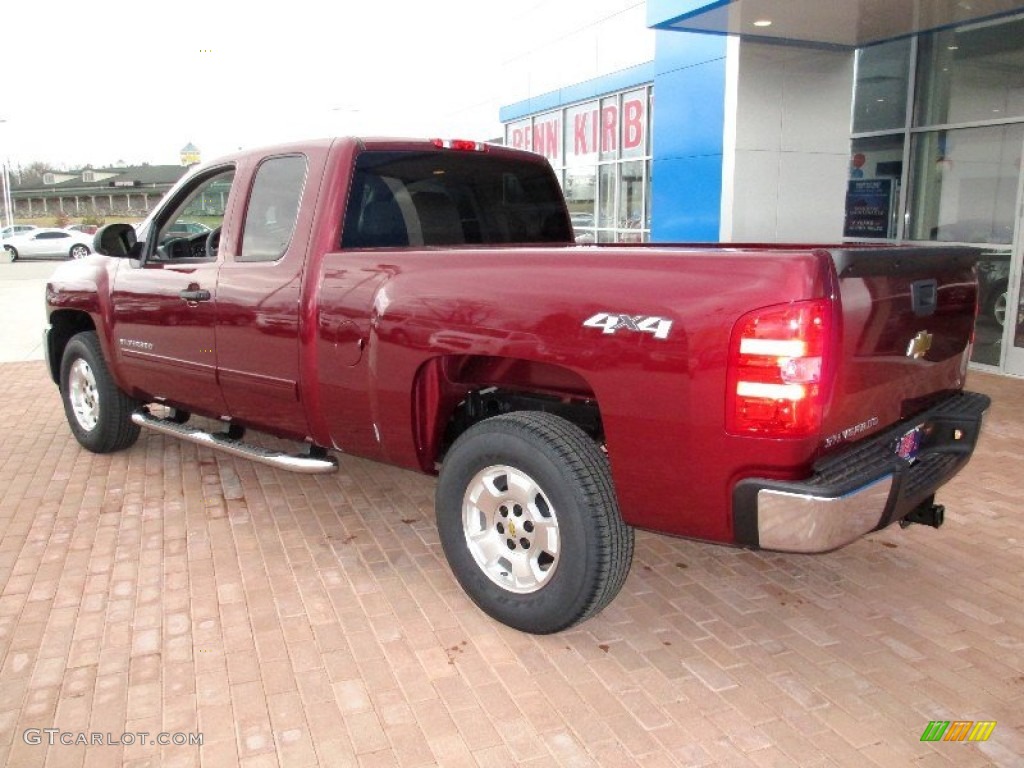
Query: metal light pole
[(8, 220)]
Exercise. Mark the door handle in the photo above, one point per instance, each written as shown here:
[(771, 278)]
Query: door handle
[(195, 295)]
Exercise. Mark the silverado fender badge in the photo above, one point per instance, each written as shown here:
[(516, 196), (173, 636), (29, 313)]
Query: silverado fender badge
[(135, 344), (610, 322), (919, 345)]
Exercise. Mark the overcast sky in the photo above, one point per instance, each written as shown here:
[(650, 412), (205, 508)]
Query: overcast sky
[(108, 80)]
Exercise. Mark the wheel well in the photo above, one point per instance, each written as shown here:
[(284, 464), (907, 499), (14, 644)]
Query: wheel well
[(482, 404), (64, 324), (452, 394)]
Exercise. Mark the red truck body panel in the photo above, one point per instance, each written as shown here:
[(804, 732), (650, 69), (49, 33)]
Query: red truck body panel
[(369, 351), (526, 309)]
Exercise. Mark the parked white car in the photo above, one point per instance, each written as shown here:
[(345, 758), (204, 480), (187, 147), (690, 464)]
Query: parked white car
[(16, 229), (48, 244)]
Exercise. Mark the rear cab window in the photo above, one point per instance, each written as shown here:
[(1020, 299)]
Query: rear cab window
[(425, 198)]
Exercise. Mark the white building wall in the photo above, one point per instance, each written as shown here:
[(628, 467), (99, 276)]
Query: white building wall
[(790, 145), (571, 43)]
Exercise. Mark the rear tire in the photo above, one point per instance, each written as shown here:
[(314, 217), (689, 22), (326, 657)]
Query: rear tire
[(98, 413), (529, 523), (13, 253), (999, 307)]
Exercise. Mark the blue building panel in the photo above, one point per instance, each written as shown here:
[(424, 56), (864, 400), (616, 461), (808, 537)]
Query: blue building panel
[(623, 80), (661, 13), (686, 200), (689, 122), (674, 50)]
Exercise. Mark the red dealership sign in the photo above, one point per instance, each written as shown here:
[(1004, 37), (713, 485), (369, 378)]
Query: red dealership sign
[(584, 130), (543, 137)]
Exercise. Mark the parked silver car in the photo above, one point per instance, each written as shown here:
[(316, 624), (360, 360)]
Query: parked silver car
[(48, 244), (993, 286)]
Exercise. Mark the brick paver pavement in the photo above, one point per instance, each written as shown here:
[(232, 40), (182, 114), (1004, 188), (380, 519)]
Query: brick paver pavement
[(312, 621)]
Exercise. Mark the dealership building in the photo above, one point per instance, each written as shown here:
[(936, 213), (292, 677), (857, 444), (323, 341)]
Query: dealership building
[(807, 120)]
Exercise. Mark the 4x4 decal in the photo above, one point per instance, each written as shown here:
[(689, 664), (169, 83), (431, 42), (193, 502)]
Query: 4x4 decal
[(610, 322)]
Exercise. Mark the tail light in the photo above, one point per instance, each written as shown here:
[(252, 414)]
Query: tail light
[(777, 356), (464, 145)]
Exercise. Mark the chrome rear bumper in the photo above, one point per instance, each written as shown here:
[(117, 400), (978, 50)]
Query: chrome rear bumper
[(791, 522), (863, 488)]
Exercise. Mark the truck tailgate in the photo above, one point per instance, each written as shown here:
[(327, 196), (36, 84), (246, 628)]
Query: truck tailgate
[(906, 333)]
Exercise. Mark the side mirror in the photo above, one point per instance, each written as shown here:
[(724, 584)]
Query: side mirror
[(117, 240)]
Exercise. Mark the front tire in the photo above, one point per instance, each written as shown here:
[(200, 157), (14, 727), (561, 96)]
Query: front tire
[(529, 523), (98, 413), (12, 252), (78, 252)]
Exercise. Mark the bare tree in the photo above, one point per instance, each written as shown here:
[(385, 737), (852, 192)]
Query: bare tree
[(32, 173)]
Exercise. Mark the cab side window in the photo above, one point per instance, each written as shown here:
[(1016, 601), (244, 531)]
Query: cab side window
[(192, 229), (273, 208)]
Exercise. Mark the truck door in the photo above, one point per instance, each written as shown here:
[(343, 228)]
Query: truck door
[(164, 308), (258, 296)]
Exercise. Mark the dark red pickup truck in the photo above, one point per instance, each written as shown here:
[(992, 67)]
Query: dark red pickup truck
[(424, 304)]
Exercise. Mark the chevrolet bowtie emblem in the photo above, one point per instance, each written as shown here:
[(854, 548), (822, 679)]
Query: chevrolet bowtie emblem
[(919, 345)]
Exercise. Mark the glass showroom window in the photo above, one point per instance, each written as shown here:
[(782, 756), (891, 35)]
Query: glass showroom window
[(579, 156), (968, 134), (972, 74), (873, 190), (631, 201), (880, 92), (965, 184), (967, 138), (600, 150), (956, 160), (965, 191)]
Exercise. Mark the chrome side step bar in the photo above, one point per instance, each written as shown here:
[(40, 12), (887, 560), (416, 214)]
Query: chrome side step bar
[(309, 465)]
